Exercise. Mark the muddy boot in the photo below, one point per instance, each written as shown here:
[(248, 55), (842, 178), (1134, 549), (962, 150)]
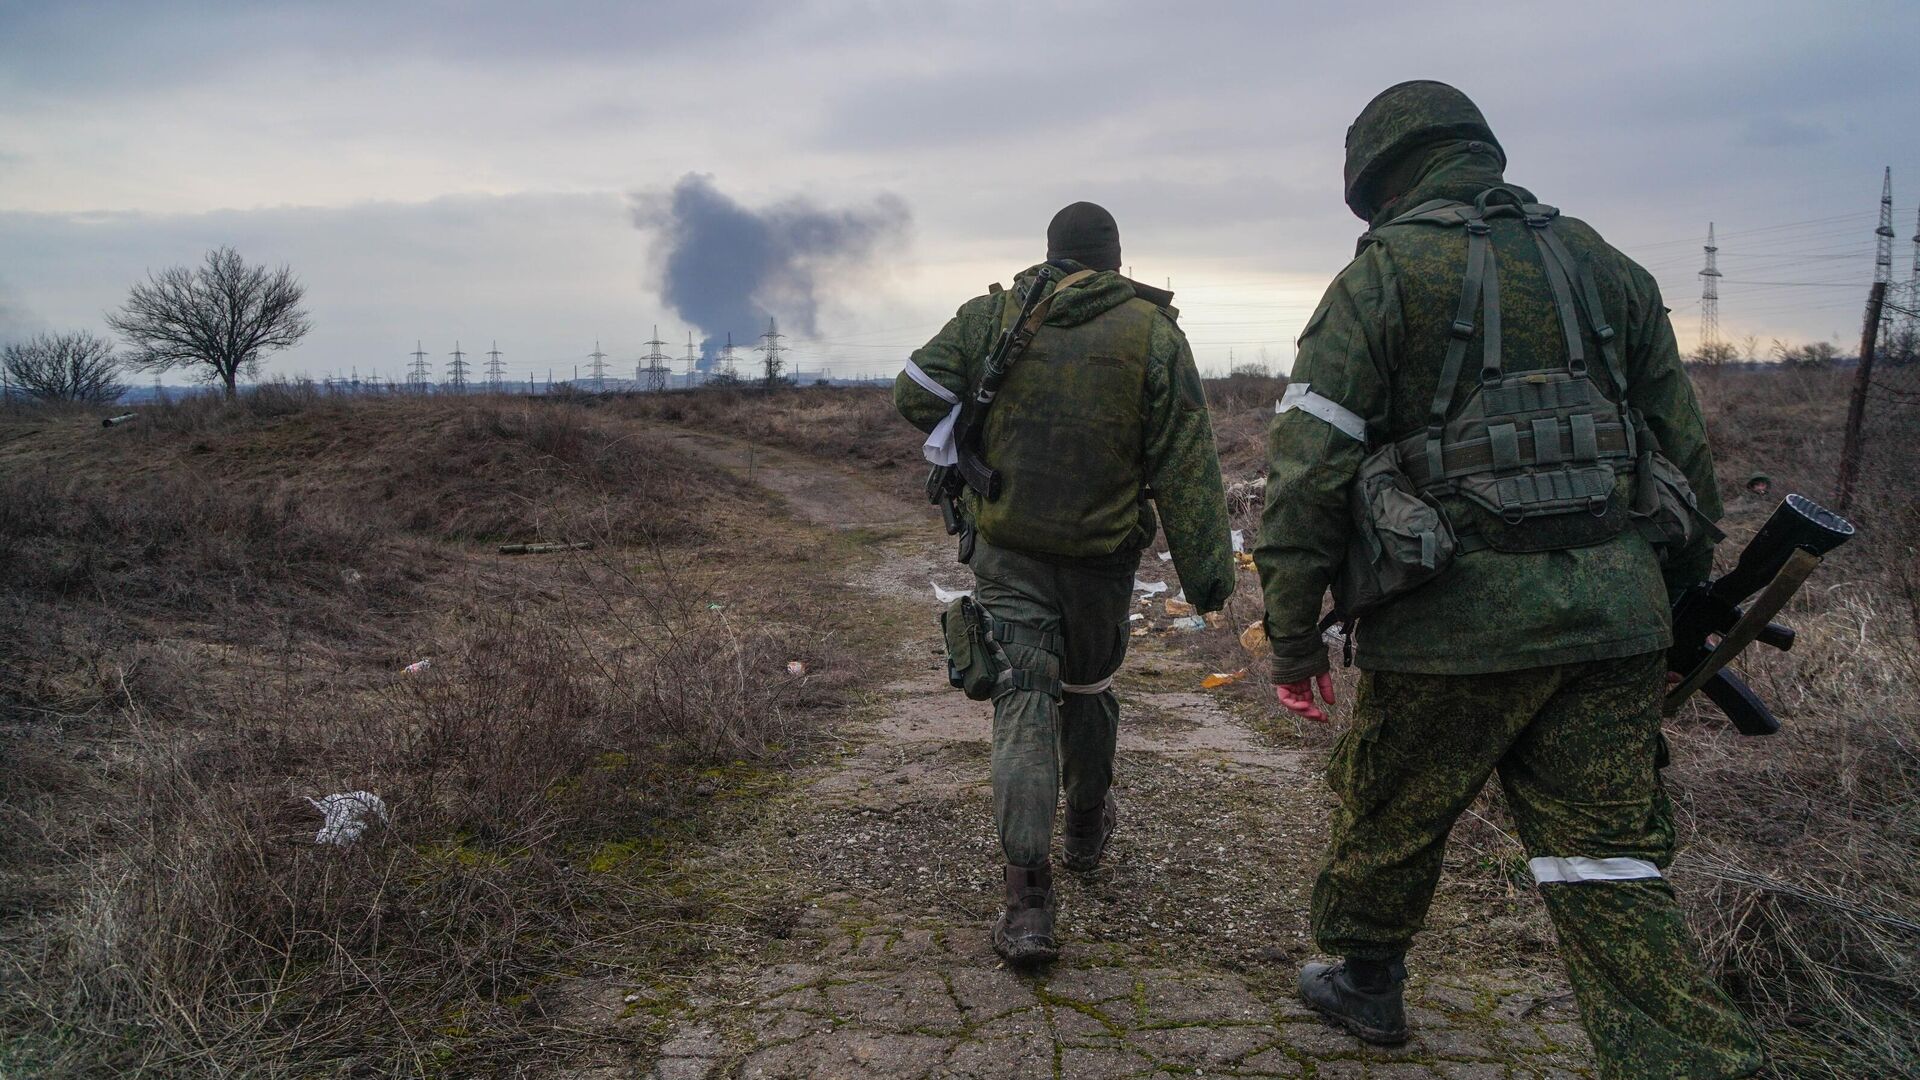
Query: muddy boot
[(1024, 934), (1086, 835), (1362, 996)]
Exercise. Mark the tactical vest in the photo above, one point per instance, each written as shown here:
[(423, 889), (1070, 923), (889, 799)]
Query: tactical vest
[(1541, 452), (1068, 435), (1530, 461)]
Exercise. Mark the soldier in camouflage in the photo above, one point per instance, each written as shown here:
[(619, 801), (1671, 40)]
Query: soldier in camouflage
[(1102, 420), (1538, 653)]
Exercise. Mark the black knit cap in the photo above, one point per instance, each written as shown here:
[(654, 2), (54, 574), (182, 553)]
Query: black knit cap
[(1087, 234)]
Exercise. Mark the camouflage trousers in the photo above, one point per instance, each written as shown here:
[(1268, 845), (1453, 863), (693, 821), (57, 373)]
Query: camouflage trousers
[(1578, 750), (1040, 744)]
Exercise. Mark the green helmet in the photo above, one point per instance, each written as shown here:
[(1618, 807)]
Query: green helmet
[(1402, 118)]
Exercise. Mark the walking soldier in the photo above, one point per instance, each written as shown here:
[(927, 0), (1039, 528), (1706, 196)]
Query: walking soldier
[(1490, 453), (1097, 417)]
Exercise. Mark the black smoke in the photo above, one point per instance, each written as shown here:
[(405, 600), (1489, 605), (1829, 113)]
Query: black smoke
[(727, 268)]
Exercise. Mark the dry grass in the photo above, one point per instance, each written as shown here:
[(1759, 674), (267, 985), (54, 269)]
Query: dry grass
[(204, 622)]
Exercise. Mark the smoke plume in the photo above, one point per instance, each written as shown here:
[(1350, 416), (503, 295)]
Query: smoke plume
[(726, 267)]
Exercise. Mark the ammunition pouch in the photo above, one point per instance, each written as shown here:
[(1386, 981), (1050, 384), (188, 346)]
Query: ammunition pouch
[(1665, 508), (1401, 537), (977, 663)]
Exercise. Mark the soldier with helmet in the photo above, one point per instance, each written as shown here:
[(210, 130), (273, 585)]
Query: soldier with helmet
[(1491, 455)]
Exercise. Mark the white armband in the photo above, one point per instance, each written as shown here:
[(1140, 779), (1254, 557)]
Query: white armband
[(1344, 420)]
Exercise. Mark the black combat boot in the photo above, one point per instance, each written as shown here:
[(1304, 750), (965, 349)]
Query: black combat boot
[(1024, 934), (1362, 996), (1086, 835)]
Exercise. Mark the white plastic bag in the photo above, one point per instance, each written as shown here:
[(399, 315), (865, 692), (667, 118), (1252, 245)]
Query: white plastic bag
[(347, 814)]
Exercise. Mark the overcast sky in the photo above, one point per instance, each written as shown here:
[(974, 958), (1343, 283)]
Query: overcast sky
[(496, 171)]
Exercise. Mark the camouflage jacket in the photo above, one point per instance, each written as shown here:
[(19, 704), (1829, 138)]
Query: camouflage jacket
[(1375, 345), (1176, 458)]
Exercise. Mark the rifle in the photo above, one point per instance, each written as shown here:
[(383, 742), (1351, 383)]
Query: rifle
[(945, 482), (1775, 563)]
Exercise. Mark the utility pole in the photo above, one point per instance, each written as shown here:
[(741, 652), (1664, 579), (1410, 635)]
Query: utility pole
[(726, 355), (598, 367), (693, 358), (496, 375), (656, 363), (1883, 251), (459, 369), (771, 347), (1913, 287), (1710, 297), (417, 373)]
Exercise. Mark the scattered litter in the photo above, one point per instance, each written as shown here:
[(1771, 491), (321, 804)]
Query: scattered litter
[(796, 667), (1245, 494), (350, 577), (1254, 638), (1189, 624), (1139, 631), (1135, 617), (1243, 560), (115, 421), (1335, 637), (1215, 619), (546, 548), (347, 816), (715, 607), (1239, 540), (417, 667), (948, 597), (1166, 556), (1222, 678), (1149, 587), (1179, 607)]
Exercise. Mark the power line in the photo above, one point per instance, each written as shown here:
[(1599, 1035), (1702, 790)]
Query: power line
[(459, 369), (771, 347), (496, 375), (417, 371), (598, 367), (655, 371)]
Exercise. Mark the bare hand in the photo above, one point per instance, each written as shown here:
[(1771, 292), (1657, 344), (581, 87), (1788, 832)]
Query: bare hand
[(1297, 697)]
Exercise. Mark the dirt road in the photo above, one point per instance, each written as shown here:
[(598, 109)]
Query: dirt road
[(1180, 953)]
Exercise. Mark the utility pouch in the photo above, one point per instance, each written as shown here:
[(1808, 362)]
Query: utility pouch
[(1401, 537), (1665, 508), (974, 659)]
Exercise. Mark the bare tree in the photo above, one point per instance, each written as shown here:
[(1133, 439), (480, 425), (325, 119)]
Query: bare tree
[(1715, 353), (65, 367), (223, 316), (1818, 354)]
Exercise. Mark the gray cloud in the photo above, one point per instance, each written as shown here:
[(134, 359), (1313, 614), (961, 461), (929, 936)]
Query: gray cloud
[(1213, 132), (727, 268)]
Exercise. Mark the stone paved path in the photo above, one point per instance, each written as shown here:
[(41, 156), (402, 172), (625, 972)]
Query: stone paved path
[(1179, 955)]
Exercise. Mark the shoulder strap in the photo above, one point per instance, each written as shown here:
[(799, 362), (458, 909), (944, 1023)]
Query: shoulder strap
[(1588, 298), (1480, 285)]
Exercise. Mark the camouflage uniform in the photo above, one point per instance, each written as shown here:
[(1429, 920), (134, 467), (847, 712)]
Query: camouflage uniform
[(1089, 447), (1545, 666)]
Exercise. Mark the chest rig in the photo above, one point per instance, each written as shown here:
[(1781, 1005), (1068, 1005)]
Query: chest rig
[(1541, 452)]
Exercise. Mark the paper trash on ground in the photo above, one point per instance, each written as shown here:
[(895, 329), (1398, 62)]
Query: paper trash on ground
[(417, 667), (1166, 556), (1239, 540), (347, 816), (1189, 624), (1149, 587), (948, 597), (1222, 678)]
